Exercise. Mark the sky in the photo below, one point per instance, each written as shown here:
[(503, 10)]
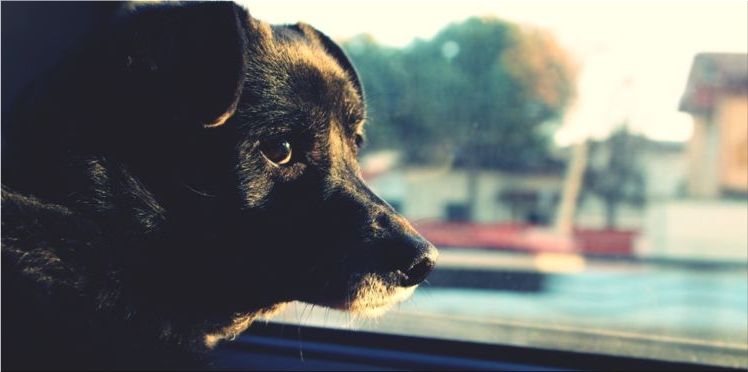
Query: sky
[(634, 56)]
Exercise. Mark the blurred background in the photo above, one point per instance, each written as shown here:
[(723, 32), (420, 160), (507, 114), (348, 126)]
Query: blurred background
[(583, 168)]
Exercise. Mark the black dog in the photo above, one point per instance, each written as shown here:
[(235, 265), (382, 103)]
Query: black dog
[(188, 171)]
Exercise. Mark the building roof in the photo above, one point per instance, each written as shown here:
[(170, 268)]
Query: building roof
[(711, 74)]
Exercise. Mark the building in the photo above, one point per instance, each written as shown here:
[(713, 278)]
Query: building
[(709, 221), (443, 193), (716, 96), (433, 193)]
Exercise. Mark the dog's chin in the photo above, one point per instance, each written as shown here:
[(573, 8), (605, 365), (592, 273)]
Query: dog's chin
[(370, 296), (239, 323)]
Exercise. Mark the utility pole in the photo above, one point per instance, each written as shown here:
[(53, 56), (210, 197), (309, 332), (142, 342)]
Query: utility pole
[(572, 186)]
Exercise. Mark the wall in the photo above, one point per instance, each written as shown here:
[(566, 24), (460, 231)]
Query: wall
[(696, 229), (732, 116), (703, 159)]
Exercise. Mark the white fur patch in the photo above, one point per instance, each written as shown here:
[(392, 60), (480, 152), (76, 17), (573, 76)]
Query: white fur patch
[(372, 297), (239, 324)]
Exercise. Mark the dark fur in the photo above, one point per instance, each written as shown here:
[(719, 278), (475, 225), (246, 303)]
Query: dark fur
[(135, 237)]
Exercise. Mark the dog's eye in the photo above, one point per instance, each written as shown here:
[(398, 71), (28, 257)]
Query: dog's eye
[(360, 140), (277, 151)]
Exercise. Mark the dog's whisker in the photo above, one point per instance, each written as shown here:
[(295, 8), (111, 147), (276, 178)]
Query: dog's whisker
[(311, 313), (201, 193), (301, 350)]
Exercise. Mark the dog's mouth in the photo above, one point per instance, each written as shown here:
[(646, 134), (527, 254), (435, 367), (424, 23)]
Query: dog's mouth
[(369, 284), (371, 295)]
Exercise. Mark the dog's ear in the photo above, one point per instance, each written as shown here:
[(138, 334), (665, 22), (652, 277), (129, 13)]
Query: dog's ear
[(188, 60), (333, 49)]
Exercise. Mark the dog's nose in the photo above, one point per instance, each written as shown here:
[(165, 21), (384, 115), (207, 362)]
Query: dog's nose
[(417, 273), (406, 252), (421, 262)]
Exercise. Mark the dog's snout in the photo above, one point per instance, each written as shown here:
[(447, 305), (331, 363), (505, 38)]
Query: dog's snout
[(399, 251)]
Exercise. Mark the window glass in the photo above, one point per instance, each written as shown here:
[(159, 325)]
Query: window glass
[(582, 167)]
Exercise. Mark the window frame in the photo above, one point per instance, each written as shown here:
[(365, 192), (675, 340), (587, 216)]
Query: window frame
[(306, 347)]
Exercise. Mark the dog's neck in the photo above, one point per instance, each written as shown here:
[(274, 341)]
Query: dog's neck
[(129, 295)]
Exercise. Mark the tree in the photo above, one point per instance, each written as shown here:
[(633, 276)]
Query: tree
[(614, 173), (384, 78), (478, 94)]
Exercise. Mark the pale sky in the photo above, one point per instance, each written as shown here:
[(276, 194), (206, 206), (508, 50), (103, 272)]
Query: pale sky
[(635, 56)]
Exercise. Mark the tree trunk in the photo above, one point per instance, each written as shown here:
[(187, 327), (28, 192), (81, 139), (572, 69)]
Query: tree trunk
[(611, 213)]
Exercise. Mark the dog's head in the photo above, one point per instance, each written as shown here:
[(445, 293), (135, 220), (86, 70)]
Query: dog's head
[(250, 147)]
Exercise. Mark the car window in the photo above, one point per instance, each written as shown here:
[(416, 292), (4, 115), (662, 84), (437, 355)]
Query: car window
[(582, 167)]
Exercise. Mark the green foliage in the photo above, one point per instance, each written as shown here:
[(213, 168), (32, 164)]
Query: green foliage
[(477, 94), (614, 173)]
